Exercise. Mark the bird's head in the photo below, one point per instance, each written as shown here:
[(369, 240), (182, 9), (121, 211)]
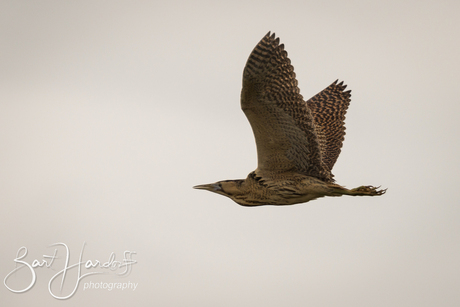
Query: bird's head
[(229, 188)]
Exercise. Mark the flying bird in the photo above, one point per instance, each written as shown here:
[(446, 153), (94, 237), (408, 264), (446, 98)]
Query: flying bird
[(297, 141)]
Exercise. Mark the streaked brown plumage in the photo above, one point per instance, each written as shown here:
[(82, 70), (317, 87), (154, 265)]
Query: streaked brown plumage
[(297, 142)]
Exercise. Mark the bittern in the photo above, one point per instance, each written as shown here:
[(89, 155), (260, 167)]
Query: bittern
[(297, 142)]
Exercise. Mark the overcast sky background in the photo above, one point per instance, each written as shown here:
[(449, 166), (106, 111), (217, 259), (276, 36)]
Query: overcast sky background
[(110, 111)]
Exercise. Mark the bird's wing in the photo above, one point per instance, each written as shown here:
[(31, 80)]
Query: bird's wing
[(282, 123), (328, 108)]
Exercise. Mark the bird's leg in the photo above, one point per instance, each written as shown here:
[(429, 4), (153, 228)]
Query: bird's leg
[(366, 190)]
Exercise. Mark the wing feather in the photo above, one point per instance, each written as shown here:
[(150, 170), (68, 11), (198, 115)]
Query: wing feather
[(281, 120), (328, 109)]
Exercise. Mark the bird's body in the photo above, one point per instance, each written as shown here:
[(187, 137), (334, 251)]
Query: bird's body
[(297, 142)]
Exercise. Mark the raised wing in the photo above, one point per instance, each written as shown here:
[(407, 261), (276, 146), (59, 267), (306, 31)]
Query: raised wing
[(282, 123), (328, 109)]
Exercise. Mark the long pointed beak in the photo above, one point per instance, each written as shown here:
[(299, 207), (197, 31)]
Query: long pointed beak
[(213, 187)]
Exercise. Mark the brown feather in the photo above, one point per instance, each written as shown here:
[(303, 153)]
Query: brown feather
[(283, 125), (328, 109)]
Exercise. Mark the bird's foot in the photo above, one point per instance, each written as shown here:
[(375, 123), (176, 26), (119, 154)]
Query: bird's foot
[(367, 190)]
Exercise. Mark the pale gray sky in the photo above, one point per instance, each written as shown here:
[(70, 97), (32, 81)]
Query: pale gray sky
[(111, 111)]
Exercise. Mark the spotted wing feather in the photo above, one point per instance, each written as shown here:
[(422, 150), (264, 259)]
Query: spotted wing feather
[(328, 109), (282, 123)]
